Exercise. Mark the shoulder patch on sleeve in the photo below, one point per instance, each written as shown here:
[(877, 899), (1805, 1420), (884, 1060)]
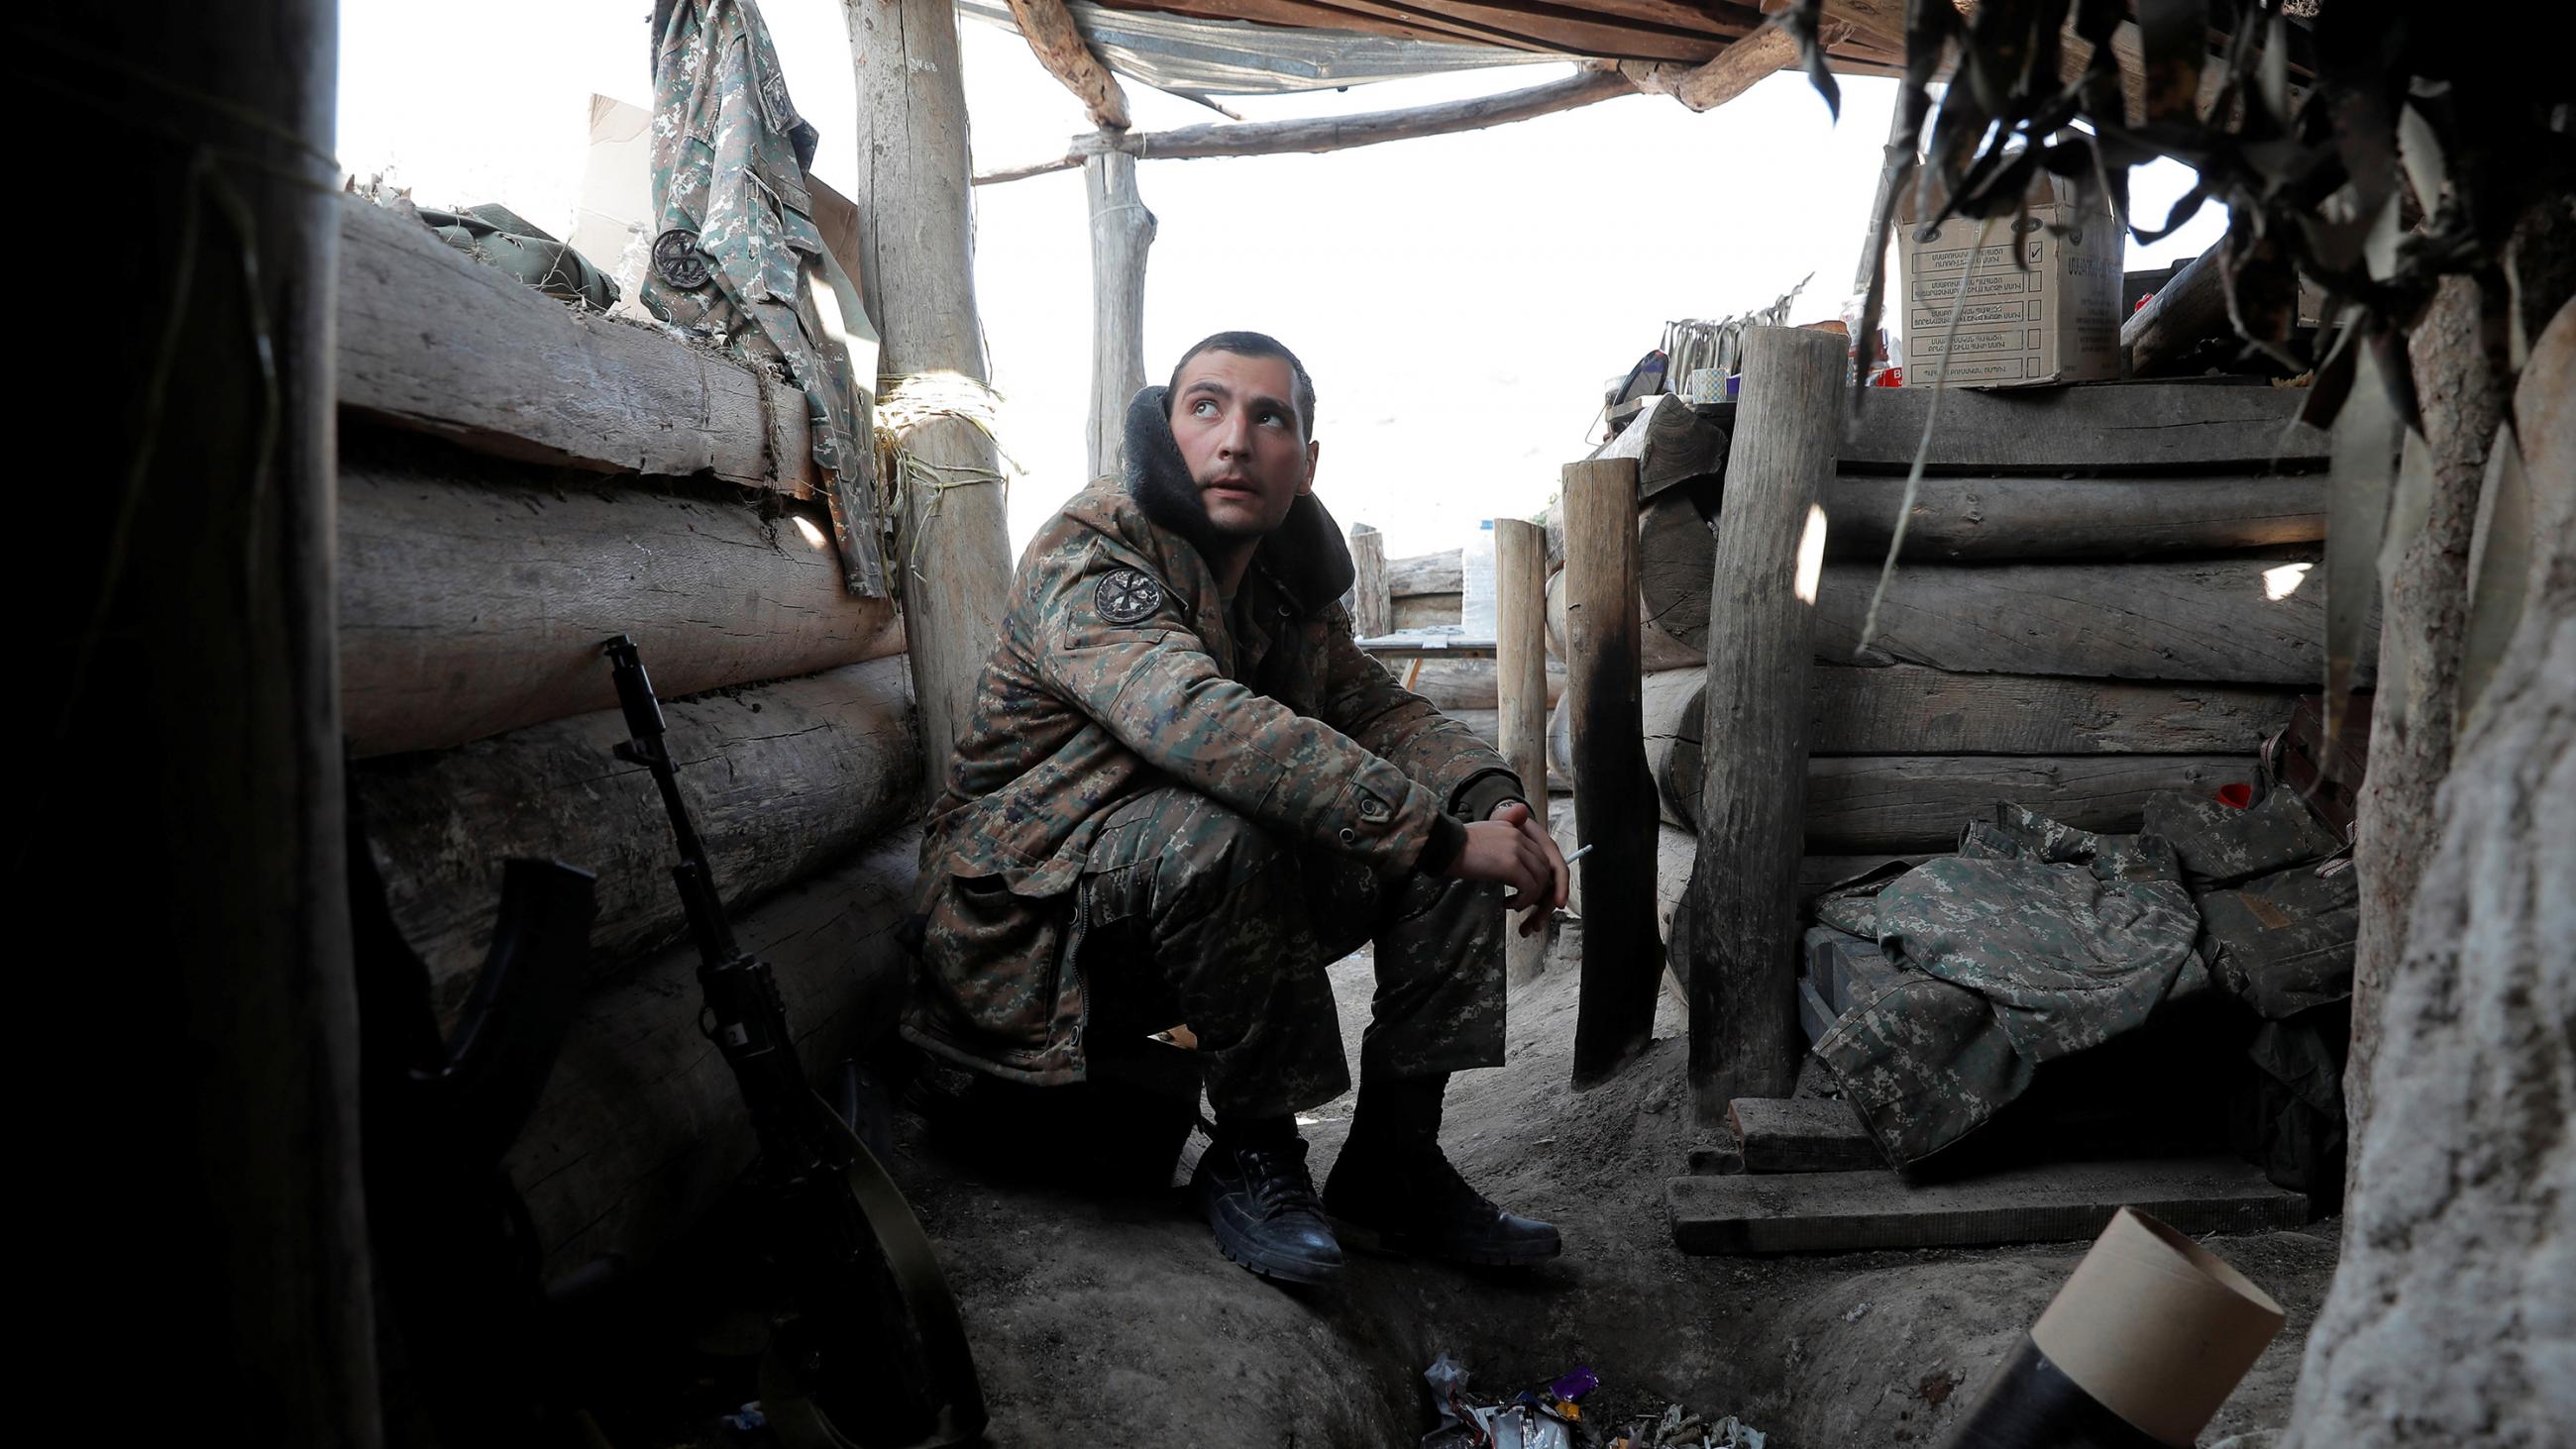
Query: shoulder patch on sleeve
[(1124, 596)]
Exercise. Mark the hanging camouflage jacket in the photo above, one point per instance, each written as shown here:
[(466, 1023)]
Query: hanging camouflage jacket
[(736, 254), (1120, 669)]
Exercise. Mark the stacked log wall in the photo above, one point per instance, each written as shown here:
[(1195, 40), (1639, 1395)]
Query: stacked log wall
[(2103, 592), (518, 483)]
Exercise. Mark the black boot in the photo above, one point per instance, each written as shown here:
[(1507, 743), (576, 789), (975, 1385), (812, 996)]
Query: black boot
[(1394, 1180), (1255, 1190)]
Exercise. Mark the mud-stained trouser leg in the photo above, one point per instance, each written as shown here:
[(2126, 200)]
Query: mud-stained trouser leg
[(1194, 914)]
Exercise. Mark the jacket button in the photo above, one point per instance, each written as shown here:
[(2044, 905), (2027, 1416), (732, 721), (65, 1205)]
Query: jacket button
[(1372, 809), (1349, 836)]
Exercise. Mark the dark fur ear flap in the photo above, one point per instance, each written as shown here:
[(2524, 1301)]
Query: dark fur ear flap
[(1157, 477)]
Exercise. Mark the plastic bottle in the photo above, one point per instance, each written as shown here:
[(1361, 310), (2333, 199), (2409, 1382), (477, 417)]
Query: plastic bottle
[(1476, 605)]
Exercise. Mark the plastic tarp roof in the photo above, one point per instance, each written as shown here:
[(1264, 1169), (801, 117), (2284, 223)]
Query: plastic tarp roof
[(1193, 57)]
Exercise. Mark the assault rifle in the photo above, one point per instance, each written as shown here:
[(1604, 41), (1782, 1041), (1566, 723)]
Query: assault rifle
[(867, 1294)]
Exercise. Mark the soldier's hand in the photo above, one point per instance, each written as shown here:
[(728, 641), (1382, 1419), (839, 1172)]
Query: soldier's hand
[(1511, 849)]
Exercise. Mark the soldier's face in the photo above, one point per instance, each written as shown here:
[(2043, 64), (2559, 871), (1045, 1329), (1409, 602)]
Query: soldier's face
[(1236, 421)]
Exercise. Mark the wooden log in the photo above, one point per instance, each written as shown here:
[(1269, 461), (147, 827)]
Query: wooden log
[(431, 339), (474, 594), (2186, 311), (1801, 1134), (2111, 427), (1122, 235), (1905, 709), (1676, 562), (1622, 951), (1473, 683), (2058, 1202), (1427, 573), (1049, 29), (1673, 442), (2053, 518), (1909, 803), (641, 1127), (780, 779), (1657, 649), (1333, 133), (1521, 689), (917, 276), (1427, 611), (2199, 620), (1372, 613), (1730, 74), (1741, 929)]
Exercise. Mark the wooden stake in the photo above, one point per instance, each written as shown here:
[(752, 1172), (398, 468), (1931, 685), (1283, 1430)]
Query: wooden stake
[(1520, 685), (953, 555), (1122, 232), (1372, 612), (1623, 957), (1742, 929)]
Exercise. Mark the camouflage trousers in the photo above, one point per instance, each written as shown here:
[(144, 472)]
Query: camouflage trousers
[(1193, 914)]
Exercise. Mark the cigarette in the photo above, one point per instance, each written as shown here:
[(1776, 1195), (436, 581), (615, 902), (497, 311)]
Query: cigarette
[(1578, 855)]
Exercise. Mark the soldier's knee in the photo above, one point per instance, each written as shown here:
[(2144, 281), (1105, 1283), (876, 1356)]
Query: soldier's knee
[(1220, 851)]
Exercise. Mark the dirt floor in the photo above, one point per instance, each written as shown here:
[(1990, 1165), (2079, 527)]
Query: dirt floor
[(1111, 1320)]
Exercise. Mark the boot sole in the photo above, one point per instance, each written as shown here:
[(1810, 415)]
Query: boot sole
[(1352, 1231), (1277, 1270)]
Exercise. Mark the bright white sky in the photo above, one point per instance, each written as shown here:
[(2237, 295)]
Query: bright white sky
[(1460, 300)]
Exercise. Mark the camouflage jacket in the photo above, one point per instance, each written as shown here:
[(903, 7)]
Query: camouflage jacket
[(1120, 669)]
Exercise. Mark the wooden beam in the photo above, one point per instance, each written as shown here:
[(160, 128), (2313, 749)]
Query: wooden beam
[(1371, 613), (1731, 73), (2188, 309), (1904, 804), (1334, 133), (2059, 1202), (1520, 686), (2057, 518), (474, 594), (1622, 955), (1740, 919), (1426, 573), (952, 557), (430, 339), (782, 780), (1049, 30), (1801, 1134), (1122, 233), (2109, 427)]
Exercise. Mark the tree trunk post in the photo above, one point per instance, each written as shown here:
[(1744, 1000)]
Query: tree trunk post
[(1741, 931), (186, 860), (953, 547), (1122, 232), (1615, 812), (1520, 691), (1372, 610)]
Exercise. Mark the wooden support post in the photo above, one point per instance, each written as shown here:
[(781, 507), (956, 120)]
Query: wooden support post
[(1742, 931), (186, 836), (953, 549), (1372, 611), (1623, 956), (1122, 232), (1520, 690)]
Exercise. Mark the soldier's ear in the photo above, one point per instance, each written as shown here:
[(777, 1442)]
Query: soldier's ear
[(1312, 449)]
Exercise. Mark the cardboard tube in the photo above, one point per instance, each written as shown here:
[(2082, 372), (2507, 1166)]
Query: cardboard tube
[(2156, 1328)]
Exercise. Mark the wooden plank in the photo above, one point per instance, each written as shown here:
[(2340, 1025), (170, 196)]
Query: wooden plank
[(641, 1128), (2200, 620), (2135, 427), (1443, 572), (1520, 682), (431, 339), (1464, 681), (1739, 922), (782, 779), (2064, 1202), (1372, 613), (1908, 803), (474, 594), (2042, 518), (1622, 952), (1801, 1134), (1426, 611)]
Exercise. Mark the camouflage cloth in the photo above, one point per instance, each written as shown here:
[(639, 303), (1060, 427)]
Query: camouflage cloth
[(2284, 944), (2221, 844), (2036, 940), (1191, 913), (736, 254), (1122, 670)]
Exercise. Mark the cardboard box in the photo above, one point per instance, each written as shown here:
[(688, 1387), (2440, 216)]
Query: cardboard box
[(2043, 294)]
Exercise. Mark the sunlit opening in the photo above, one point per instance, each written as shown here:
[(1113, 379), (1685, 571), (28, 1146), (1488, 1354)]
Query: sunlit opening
[(814, 535), (1811, 555), (2282, 582)]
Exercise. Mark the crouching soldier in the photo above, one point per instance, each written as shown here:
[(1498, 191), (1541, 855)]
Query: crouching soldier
[(1184, 791)]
